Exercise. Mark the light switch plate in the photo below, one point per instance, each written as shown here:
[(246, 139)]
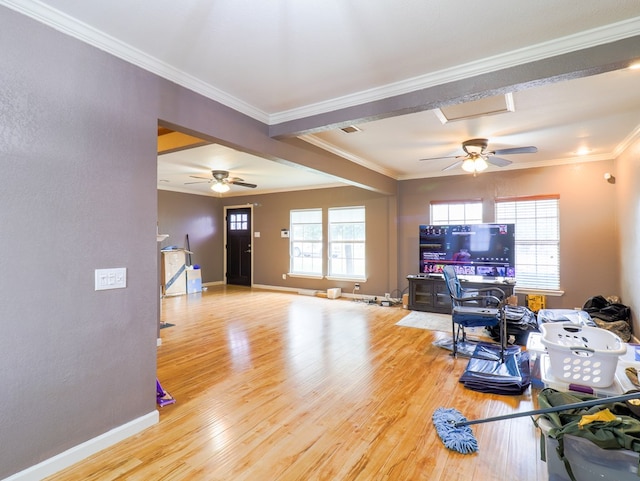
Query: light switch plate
[(115, 278)]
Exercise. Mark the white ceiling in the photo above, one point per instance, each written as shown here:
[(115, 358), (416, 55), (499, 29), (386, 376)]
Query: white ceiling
[(282, 60)]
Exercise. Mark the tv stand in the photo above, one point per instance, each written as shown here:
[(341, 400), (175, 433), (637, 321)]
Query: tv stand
[(430, 294)]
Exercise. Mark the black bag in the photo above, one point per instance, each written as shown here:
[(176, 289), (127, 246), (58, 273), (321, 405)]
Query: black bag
[(601, 308), (611, 316)]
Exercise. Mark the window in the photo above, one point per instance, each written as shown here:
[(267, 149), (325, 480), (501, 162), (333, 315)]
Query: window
[(305, 242), (347, 242), (460, 212), (238, 221), (537, 239)]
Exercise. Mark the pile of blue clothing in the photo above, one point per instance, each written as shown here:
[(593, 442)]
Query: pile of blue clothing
[(485, 371)]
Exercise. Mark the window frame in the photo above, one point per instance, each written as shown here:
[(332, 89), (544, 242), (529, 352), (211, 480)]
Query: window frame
[(466, 205), (540, 216), (357, 242), (311, 246)]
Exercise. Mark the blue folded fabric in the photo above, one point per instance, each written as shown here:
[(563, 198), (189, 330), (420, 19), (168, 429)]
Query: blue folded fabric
[(486, 373)]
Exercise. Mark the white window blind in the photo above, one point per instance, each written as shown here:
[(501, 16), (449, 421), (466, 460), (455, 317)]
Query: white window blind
[(458, 212), (347, 242), (537, 239), (305, 242)]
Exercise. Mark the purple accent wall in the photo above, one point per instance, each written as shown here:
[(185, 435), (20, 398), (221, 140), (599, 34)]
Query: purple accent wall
[(78, 162)]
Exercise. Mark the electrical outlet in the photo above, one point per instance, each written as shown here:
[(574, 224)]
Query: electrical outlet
[(387, 295), (356, 287), (284, 276)]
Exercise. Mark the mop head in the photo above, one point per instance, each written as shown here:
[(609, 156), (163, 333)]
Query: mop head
[(459, 438)]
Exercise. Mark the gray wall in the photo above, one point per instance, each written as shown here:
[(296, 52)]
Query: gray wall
[(199, 217), (78, 163)]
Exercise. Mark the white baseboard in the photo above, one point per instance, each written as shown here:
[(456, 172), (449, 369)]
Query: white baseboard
[(318, 293), (86, 449), (276, 288)]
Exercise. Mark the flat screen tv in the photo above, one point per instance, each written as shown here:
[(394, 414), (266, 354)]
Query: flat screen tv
[(486, 250)]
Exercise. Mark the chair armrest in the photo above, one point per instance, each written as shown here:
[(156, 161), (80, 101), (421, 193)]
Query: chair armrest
[(491, 289), (463, 300)]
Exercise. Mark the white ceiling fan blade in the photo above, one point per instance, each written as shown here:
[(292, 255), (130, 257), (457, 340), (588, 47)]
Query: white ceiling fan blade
[(243, 184), (499, 161), (515, 150), (445, 157), (455, 165)]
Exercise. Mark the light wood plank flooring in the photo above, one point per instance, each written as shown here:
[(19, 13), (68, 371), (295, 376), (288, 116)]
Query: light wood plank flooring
[(280, 386)]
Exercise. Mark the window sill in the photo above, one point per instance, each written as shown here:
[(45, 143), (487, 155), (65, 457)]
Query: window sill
[(543, 292), (346, 279), (304, 276)]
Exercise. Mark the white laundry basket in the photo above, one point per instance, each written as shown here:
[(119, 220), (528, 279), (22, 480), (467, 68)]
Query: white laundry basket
[(582, 355)]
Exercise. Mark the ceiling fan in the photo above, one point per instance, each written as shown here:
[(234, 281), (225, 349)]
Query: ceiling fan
[(478, 157), (220, 181)]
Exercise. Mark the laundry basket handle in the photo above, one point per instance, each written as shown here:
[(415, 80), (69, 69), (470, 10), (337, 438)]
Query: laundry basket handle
[(581, 351)]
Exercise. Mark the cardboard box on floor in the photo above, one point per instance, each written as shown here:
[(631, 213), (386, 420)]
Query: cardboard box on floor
[(174, 279), (536, 302)]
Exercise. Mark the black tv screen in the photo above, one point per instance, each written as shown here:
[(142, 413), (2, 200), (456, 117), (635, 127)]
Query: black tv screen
[(486, 250)]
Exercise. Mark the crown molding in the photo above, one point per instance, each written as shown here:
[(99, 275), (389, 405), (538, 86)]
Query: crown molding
[(329, 147), (627, 142), (589, 38), (85, 33)]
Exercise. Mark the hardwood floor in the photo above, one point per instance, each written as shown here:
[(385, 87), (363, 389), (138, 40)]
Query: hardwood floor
[(280, 386)]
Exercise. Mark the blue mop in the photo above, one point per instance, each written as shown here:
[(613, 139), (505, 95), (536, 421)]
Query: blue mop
[(455, 433), (455, 436)]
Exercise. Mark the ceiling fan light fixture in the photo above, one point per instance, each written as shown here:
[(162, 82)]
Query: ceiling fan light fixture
[(220, 187), (480, 164), (469, 165)]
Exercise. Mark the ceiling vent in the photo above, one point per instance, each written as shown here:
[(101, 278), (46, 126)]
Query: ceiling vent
[(498, 104)]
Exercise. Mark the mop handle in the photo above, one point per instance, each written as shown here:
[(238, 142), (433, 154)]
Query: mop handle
[(555, 409)]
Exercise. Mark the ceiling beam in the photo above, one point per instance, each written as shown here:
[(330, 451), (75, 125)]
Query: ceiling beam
[(582, 63)]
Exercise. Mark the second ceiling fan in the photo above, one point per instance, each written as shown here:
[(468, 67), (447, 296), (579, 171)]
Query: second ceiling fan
[(478, 157), (220, 181)]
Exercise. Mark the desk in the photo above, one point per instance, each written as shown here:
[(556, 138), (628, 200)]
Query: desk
[(430, 294)]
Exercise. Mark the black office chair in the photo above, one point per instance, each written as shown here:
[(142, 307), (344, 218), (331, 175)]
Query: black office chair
[(474, 308)]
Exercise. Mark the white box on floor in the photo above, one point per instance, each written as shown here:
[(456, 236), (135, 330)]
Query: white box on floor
[(194, 281), (334, 293)]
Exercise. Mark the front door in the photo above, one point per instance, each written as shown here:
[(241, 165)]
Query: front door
[(239, 246)]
